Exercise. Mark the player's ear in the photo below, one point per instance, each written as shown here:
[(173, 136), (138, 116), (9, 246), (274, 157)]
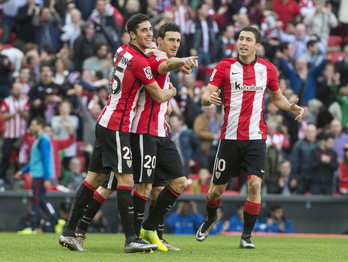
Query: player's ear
[(132, 35)]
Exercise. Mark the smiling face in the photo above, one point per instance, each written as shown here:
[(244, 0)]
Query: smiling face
[(143, 36), (170, 43), (247, 46)]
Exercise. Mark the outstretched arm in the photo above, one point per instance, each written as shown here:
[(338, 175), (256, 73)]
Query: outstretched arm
[(281, 102)]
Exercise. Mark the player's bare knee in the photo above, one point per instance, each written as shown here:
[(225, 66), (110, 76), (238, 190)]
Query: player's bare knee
[(254, 186), (178, 184), (143, 189), (215, 192)]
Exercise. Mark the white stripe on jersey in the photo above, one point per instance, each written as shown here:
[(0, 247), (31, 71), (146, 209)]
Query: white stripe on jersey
[(119, 153), (115, 97), (141, 147), (140, 108), (235, 103), (257, 104)]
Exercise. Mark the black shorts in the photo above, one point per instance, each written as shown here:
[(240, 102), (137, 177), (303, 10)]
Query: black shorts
[(239, 157), (111, 151), (110, 181), (155, 157)]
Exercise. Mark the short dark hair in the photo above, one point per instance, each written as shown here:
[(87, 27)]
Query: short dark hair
[(256, 33), (134, 21), (168, 27), (311, 43), (275, 207), (327, 136), (283, 46), (39, 120)]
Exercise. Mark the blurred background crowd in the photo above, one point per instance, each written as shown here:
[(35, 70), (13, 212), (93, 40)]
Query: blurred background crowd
[(56, 61)]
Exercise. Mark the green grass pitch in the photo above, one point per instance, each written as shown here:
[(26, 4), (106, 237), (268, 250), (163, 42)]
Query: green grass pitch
[(109, 247)]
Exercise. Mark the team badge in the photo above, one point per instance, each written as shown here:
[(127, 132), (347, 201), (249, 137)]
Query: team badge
[(217, 174), (148, 72), (261, 73), (149, 172), (129, 163), (212, 75)]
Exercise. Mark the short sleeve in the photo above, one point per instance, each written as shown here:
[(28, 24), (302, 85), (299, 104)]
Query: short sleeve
[(218, 75), (272, 81), (142, 71), (155, 63)]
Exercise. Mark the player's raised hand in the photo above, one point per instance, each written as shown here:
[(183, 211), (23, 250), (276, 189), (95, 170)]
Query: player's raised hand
[(297, 110)]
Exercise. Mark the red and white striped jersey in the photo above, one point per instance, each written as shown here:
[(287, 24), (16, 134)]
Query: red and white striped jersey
[(16, 126), (150, 116), (277, 139), (243, 89), (131, 72)]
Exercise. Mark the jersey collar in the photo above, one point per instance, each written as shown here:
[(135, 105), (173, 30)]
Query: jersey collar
[(136, 48), (253, 62)]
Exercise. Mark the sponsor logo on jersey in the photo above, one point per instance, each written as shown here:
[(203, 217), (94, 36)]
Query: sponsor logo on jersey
[(212, 75), (239, 86), (148, 72)]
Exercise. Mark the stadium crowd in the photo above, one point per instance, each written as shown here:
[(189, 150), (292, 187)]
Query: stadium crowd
[(56, 61)]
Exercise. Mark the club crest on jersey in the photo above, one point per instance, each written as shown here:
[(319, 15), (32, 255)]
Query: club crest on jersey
[(149, 172), (217, 174), (148, 72), (261, 73), (212, 75), (129, 163)]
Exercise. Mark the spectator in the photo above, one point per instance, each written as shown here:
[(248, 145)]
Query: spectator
[(340, 139), (285, 183), (190, 99), (37, 93), (285, 48), (324, 83), (277, 148), (298, 39), (185, 220), (24, 19), (5, 73), (60, 131), (203, 46), (343, 173), (341, 67), (302, 80), (319, 115), (100, 61), (320, 20), (15, 54), (23, 80), (33, 63), (74, 177), (62, 66), (313, 56), (323, 165), (58, 145), (15, 112), (107, 30), (237, 221), (47, 29), (287, 10), (300, 155), (201, 185), (207, 127), (277, 223), (9, 12), (84, 45), (225, 44), (72, 30), (187, 143)]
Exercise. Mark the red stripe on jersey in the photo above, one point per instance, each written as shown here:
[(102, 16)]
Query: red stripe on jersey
[(131, 72), (150, 116)]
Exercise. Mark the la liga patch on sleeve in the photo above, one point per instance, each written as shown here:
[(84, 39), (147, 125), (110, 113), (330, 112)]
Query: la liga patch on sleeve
[(148, 72)]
